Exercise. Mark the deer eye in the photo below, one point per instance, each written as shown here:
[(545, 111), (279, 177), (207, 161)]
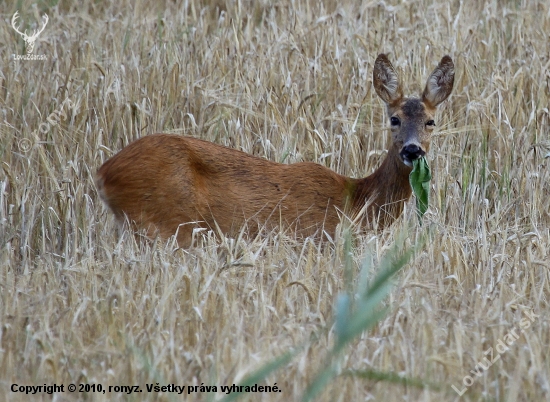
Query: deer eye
[(395, 121), (430, 123)]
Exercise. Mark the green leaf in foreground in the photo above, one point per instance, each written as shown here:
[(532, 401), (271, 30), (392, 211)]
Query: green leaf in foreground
[(357, 310), (261, 373), (420, 183), (376, 375)]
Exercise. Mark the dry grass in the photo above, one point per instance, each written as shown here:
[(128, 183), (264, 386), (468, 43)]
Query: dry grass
[(289, 82)]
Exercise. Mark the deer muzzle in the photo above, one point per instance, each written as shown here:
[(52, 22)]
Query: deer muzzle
[(411, 152)]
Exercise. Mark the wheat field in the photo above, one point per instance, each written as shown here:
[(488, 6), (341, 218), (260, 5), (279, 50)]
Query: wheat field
[(289, 81)]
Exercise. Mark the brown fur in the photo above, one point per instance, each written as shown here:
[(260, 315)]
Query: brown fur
[(164, 182)]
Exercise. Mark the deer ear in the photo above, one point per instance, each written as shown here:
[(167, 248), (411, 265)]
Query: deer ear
[(440, 84), (385, 80)]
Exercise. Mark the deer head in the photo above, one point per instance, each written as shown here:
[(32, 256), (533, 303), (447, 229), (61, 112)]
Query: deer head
[(29, 40), (412, 118)]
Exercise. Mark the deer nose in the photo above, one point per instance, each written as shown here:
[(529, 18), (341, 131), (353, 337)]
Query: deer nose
[(412, 152)]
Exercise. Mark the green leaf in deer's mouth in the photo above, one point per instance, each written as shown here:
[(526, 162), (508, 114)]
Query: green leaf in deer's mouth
[(420, 183)]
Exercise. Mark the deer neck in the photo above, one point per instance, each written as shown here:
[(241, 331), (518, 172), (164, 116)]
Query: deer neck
[(384, 192)]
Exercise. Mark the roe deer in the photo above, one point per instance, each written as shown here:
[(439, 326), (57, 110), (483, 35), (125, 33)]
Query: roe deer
[(168, 184)]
